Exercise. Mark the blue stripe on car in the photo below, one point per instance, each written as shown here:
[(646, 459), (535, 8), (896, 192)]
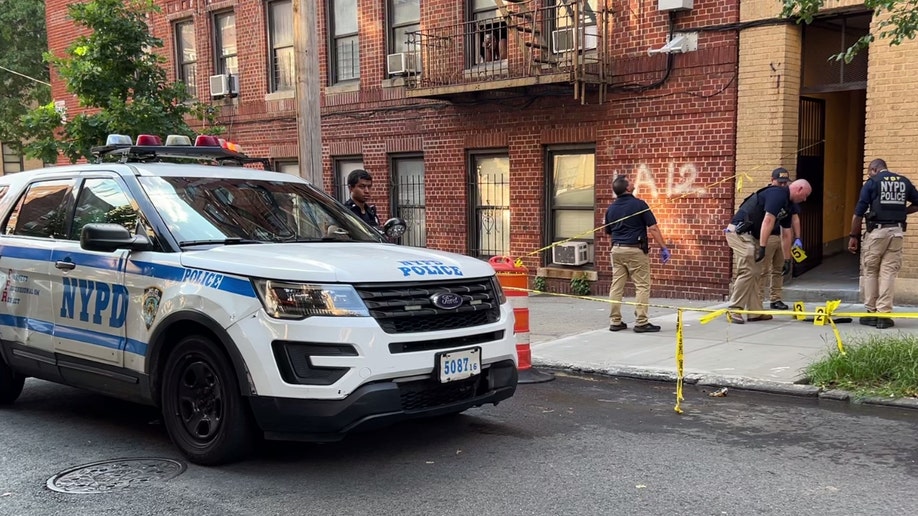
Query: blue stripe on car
[(233, 285), (95, 338)]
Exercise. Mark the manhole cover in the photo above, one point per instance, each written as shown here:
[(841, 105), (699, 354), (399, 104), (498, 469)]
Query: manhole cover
[(114, 475)]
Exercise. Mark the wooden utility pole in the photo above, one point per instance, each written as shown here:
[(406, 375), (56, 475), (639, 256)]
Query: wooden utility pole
[(308, 116)]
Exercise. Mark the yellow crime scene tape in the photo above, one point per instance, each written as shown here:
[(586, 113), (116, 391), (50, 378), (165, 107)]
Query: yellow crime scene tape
[(821, 315)]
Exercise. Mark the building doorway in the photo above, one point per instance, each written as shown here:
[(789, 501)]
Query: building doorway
[(831, 128)]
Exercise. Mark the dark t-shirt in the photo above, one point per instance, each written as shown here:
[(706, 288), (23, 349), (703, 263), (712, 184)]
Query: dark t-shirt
[(793, 209), (369, 216), (629, 228), (771, 199)]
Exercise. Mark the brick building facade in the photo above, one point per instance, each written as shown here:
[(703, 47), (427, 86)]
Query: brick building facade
[(497, 126)]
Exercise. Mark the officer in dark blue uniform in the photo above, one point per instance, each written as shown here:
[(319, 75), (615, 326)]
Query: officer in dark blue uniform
[(747, 235), (359, 183), (629, 220), (885, 201)]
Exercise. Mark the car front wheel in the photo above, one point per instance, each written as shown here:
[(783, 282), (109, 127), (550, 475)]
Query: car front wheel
[(203, 410)]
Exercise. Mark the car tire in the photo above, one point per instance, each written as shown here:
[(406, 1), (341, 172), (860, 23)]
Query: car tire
[(203, 409), (10, 384)]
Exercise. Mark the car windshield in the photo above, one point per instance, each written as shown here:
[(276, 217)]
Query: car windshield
[(235, 210)]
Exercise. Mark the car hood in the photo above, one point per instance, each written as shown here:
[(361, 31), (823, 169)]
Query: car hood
[(336, 262)]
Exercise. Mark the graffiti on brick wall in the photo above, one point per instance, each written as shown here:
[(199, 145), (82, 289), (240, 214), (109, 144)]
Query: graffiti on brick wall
[(673, 182)]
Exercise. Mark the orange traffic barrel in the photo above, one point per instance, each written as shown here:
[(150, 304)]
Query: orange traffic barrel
[(514, 279)]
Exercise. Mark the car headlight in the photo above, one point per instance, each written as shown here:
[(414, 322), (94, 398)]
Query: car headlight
[(284, 300)]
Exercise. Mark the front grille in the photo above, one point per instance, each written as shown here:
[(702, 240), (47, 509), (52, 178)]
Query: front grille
[(408, 308), (426, 394), (437, 344)]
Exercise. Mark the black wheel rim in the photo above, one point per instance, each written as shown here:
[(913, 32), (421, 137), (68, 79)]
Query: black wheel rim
[(200, 399)]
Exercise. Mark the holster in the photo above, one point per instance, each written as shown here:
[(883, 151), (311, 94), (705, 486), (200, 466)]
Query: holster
[(645, 244)]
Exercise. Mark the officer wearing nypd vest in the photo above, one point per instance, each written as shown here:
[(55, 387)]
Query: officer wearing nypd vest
[(885, 201)]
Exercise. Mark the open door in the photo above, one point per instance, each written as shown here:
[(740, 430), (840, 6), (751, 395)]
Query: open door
[(810, 166)]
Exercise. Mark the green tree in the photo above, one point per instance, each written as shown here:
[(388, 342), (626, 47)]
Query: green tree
[(114, 72), (23, 73), (898, 21)]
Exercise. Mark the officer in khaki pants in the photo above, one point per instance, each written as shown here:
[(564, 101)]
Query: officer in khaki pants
[(629, 221), (885, 201), (747, 235), (778, 249)]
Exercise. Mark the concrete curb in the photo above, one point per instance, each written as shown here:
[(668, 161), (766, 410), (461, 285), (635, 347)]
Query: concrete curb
[(735, 382)]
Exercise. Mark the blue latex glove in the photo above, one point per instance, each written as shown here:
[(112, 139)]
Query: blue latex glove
[(798, 243), (664, 255)]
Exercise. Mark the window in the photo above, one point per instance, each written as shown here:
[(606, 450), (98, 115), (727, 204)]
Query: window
[(225, 43), (287, 167), (280, 45), (345, 45), (571, 194), (408, 198), (343, 167), (103, 200), (41, 212), (12, 160), (487, 33), (404, 18), (489, 233), (563, 20), (186, 56)]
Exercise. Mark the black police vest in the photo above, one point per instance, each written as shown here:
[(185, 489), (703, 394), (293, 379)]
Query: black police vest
[(889, 198), (754, 208)]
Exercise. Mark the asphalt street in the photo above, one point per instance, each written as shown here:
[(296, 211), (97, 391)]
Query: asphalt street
[(576, 445)]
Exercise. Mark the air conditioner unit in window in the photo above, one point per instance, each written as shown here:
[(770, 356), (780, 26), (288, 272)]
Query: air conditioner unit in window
[(572, 253), (563, 40), (403, 63), (223, 85)]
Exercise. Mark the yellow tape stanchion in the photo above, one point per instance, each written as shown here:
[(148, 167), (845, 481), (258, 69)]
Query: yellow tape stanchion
[(680, 359)]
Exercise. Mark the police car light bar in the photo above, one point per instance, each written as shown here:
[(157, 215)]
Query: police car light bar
[(150, 148)]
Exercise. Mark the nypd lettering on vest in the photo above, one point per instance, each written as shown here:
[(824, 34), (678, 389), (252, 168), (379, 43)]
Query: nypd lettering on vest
[(428, 268), (95, 297), (892, 191)]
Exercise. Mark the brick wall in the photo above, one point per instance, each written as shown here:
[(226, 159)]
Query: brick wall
[(675, 137)]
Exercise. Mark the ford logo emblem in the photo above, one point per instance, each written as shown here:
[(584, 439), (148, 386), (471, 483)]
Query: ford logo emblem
[(446, 300)]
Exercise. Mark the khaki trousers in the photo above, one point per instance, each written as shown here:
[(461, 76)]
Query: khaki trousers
[(774, 267), (747, 288), (881, 254), (630, 263)]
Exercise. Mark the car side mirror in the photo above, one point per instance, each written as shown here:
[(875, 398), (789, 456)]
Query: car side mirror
[(111, 237), (395, 227)]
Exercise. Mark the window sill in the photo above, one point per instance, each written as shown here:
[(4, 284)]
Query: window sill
[(568, 271), (280, 95), (394, 82), (343, 87)]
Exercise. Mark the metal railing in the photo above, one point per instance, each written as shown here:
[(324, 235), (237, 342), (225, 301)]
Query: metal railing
[(560, 41)]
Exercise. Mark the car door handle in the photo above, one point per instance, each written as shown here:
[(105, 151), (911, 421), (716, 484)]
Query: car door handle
[(65, 266)]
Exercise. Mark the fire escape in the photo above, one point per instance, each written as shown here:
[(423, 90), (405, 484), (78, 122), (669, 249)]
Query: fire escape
[(531, 43)]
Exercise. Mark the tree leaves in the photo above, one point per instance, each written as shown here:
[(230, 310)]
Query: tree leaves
[(114, 71)]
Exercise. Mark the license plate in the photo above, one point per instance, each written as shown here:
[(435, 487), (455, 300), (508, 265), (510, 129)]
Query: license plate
[(457, 365)]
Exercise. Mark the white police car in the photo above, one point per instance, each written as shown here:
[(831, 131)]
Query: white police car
[(241, 302)]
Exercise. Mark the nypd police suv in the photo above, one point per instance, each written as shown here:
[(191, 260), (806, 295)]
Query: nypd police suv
[(241, 302)]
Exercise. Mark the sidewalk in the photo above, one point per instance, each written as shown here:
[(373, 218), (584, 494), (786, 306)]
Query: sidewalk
[(574, 334)]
